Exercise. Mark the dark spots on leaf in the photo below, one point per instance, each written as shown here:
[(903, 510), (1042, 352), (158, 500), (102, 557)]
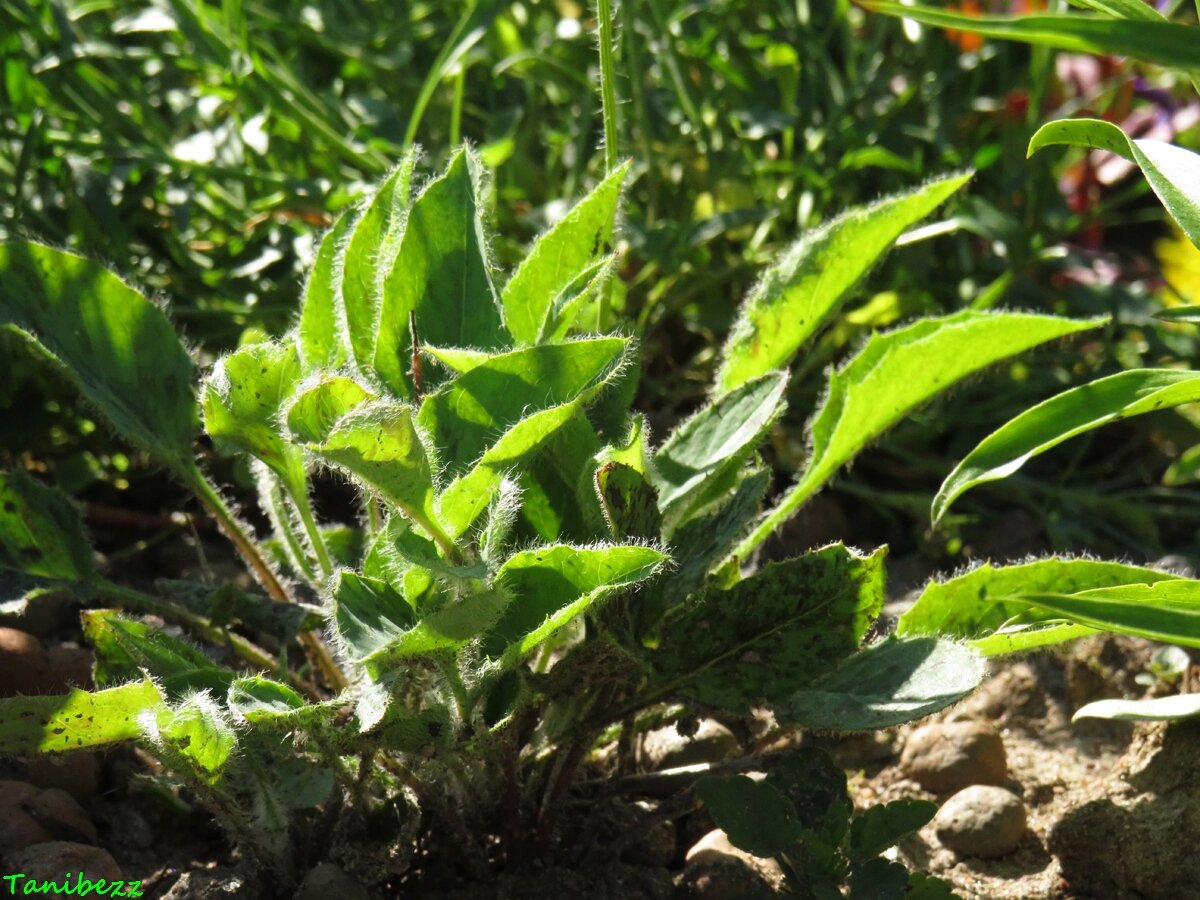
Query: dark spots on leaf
[(33, 554), (57, 730), (9, 506), (434, 728)]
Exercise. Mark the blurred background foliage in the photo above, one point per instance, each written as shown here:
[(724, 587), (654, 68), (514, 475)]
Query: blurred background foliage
[(199, 149)]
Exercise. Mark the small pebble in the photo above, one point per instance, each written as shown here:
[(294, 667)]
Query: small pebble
[(50, 861), (666, 748), (982, 820), (24, 665), (18, 827), (717, 870), (949, 756), (60, 814), (657, 845), (328, 880), (76, 773)]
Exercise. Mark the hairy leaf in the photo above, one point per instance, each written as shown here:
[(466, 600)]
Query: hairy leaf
[(1072, 412), (550, 586), (558, 257), (440, 276), (368, 613), (318, 329), (895, 373), (116, 347), (1173, 172), (773, 633), (896, 681), (879, 827), (713, 443), (368, 255), (974, 603), (41, 533), (76, 719), (318, 407), (197, 733), (816, 274), (474, 409), (242, 400)]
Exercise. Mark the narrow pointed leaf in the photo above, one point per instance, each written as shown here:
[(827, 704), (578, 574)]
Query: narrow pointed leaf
[(465, 499), (558, 257), (895, 373), (1173, 172), (550, 586), (76, 719), (815, 276), (116, 347), (317, 332), (1123, 9), (457, 359), (973, 604), (368, 254), (1157, 42), (1167, 611), (440, 275), (1021, 637), (473, 410), (899, 680), (716, 440), (575, 297), (242, 399), (1071, 413), (1156, 709), (773, 633), (317, 408), (41, 533)]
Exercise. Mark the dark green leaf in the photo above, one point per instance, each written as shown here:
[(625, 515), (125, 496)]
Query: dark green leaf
[(41, 533), (754, 814), (881, 826)]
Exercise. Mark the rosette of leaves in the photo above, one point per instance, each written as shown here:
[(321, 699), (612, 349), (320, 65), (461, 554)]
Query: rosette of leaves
[(531, 570)]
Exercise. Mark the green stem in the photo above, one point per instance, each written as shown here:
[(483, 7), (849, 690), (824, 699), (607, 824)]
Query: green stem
[(201, 627), (608, 90), (462, 697), (456, 107), (304, 508)]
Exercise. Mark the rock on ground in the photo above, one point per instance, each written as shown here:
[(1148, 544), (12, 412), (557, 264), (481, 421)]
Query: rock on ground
[(717, 870), (982, 821), (948, 756), (666, 748)]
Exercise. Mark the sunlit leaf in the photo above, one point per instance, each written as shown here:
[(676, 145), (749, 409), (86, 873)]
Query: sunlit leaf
[(76, 719)]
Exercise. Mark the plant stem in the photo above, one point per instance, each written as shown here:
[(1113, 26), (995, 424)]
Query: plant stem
[(456, 108), (201, 627), (608, 90), (304, 508), (316, 651)]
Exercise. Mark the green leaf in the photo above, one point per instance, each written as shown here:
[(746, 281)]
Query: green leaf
[(367, 259), (196, 733), (440, 276), (773, 633), (76, 719), (1071, 413), (691, 462), (1123, 9), (550, 586), (1156, 42), (815, 276), (558, 257), (465, 499), (242, 399), (450, 627), (879, 827), (318, 407), (474, 409), (378, 443), (974, 604), (41, 533), (1156, 709), (457, 359), (1189, 314), (629, 502), (892, 375), (368, 614), (125, 646), (261, 701), (116, 347), (879, 879), (1173, 172), (755, 815), (896, 681), (318, 328), (1167, 611), (575, 297)]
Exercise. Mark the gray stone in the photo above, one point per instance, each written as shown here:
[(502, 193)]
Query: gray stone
[(666, 748), (54, 859), (949, 756), (982, 820)]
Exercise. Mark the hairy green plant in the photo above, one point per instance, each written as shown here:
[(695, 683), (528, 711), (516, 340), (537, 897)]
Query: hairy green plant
[(535, 577)]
